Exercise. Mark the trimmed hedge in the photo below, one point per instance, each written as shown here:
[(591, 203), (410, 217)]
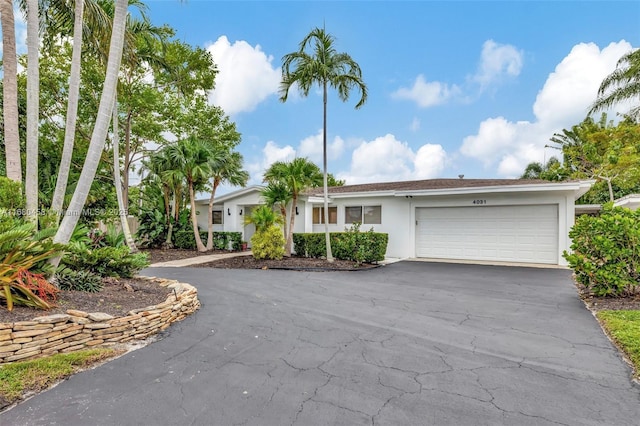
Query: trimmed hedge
[(184, 239), (268, 243), (360, 247), (606, 252)]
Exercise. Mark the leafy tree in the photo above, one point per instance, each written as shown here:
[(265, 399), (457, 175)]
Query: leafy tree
[(332, 181), (622, 85), (297, 175), (553, 170), (325, 67)]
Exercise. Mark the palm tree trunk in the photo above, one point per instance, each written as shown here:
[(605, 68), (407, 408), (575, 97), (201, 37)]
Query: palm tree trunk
[(210, 215), (292, 219), (194, 219), (72, 113), (127, 161), (33, 109), (10, 92), (327, 238), (99, 135), (123, 212)]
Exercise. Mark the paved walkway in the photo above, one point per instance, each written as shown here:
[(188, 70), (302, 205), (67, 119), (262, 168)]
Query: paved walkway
[(199, 259), (411, 343)]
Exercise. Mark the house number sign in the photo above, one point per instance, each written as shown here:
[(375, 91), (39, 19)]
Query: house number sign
[(479, 202)]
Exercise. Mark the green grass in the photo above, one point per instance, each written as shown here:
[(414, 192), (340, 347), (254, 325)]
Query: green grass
[(624, 329), (19, 378)]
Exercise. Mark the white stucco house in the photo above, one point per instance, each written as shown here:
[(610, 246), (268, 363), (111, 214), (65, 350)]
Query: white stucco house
[(499, 220)]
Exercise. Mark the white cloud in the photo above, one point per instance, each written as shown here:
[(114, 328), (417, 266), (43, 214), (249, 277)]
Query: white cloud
[(311, 147), (271, 153), (497, 60), (415, 124), (426, 94), (561, 103), (246, 75), (387, 159)]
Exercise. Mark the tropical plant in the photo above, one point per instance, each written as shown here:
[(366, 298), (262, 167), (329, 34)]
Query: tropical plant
[(68, 279), (98, 138), (33, 110), (152, 229), (193, 157), (622, 85), (226, 167), (268, 243), (105, 261), (11, 195), (276, 194), (263, 217), (297, 175), (326, 68)]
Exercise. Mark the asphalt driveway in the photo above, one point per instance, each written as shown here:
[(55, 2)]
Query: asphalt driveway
[(407, 344)]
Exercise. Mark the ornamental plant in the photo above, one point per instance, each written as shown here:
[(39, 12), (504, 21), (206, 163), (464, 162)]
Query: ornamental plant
[(268, 243), (606, 252)]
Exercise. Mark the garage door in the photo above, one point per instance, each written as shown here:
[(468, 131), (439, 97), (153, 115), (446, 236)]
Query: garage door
[(503, 233)]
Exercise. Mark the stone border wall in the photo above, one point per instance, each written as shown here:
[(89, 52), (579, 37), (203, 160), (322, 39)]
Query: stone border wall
[(78, 330)]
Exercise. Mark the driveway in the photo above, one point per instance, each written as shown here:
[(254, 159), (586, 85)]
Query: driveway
[(410, 343)]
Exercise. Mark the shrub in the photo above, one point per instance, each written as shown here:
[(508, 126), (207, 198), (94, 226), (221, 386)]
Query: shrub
[(360, 247), (268, 243), (184, 239), (152, 229), (105, 261), (68, 279), (11, 194), (606, 252)]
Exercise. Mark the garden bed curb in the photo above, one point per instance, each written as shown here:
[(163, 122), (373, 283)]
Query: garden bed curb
[(77, 330)]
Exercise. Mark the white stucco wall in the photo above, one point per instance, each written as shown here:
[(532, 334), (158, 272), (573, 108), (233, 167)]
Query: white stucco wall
[(399, 215)]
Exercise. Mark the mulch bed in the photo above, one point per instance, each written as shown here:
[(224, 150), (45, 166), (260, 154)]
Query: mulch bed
[(291, 263), (115, 298), (166, 255)]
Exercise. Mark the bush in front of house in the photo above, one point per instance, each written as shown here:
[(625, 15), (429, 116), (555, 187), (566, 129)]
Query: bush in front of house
[(268, 243), (352, 244), (606, 252), (68, 279), (104, 261)]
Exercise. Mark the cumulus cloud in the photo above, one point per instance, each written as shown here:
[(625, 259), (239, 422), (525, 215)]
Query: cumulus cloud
[(426, 93), (562, 102), (387, 159), (271, 153), (496, 61), (311, 147), (246, 75)]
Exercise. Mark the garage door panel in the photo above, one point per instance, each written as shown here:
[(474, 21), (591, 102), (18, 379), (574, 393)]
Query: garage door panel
[(499, 233)]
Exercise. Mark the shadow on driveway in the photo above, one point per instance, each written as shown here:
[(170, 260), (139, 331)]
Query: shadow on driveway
[(406, 344)]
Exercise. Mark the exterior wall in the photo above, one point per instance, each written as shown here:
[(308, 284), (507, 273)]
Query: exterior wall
[(399, 215), (233, 220)]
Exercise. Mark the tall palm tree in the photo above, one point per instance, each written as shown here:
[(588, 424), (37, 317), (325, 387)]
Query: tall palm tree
[(326, 68), (621, 85), (298, 175), (226, 167), (33, 110), (193, 156), (99, 135), (10, 92), (276, 194)]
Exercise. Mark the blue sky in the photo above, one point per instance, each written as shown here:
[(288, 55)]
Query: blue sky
[(474, 88)]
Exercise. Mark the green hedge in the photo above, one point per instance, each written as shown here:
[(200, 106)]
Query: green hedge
[(184, 239), (360, 247), (606, 252)]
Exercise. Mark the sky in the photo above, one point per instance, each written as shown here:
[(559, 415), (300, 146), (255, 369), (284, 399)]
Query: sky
[(473, 88)]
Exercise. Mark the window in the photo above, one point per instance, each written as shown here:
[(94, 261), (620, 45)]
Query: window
[(318, 216), (368, 215), (217, 217)]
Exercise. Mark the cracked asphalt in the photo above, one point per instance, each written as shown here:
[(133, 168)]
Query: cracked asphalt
[(410, 343)]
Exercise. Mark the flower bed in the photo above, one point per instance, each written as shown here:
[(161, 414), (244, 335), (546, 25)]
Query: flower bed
[(76, 330)]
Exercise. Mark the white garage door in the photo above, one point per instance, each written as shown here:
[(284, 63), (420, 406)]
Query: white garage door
[(503, 233)]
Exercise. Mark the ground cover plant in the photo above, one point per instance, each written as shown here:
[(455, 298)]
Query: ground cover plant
[(624, 328), (25, 377)]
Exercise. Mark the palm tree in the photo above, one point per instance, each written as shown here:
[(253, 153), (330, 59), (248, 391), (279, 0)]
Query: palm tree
[(193, 157), (226, 166), (263, 217), (325, 67), (10, 92), (297, 175), (33, 110), (276, 194), (99, 135), (621, 85)]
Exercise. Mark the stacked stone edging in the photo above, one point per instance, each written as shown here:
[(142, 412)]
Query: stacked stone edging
[(76, 330)]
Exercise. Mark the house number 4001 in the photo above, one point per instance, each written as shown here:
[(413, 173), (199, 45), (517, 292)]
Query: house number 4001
[(479, 201)]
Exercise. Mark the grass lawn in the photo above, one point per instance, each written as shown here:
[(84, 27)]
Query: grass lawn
[(624, 328), (20, 378)]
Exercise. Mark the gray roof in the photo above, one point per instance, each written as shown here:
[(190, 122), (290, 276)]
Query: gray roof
[(427, 184)]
